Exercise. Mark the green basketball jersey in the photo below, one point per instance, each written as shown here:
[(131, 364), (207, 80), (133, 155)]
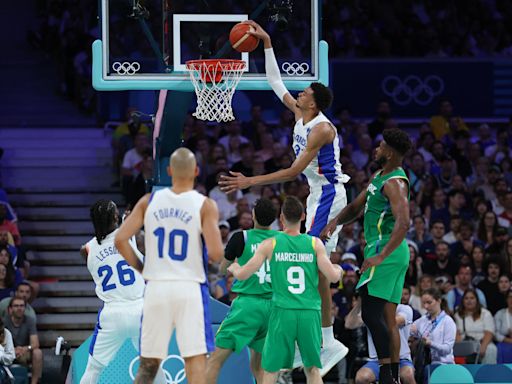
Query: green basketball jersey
[(378, 218), (294, 272), (259, 283)]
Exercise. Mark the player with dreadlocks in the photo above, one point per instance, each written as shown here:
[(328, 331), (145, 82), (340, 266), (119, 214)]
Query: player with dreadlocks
[(118, 285)]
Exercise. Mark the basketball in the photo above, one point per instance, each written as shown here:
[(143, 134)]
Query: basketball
[(241, 40)]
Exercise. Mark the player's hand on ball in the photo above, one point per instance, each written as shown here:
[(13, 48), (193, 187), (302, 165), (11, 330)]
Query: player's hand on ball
[(259, 32), (371, 262), (234, 268), (232, 183), (329, 229)]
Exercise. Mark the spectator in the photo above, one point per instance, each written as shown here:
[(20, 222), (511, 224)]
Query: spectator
[(23, 291), (436, 328), (406, 298), (362, 155), (428, 248), (7, 260), (501, 149), (503, 322), (446, 173), (498, 246), (245, 165), (419, 234), (4, 243), (442, 263), (487, 228), (463, 283), (477, 261), (7, 353), (508, 255), (9, 226), (250, 127), (242, 206), (505, 217), (132, 162), (26, 341), (233, 131), (466, 242), (138, 187), (415, 270), (220, 166), (417, 172), (229, 295), (489, 286), (370, 371), (445, 124), (426, 282), (452, 236), (224, 228), (376, 127), (273, 164), (477, 323)]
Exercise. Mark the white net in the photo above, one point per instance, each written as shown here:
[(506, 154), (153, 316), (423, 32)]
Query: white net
[(215, 83)]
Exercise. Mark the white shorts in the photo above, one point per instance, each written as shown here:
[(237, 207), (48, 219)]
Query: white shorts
[(323, 204), (180, 306), (116, 323)]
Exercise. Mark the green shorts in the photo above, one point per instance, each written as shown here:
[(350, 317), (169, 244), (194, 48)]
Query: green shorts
[(287, 327), (246, 324), (386, 280)]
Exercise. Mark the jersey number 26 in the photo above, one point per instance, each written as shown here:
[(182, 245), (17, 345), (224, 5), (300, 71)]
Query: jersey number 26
[(124, 272)]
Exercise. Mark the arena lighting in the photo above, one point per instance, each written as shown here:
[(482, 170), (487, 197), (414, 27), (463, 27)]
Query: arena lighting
[(280, 13)]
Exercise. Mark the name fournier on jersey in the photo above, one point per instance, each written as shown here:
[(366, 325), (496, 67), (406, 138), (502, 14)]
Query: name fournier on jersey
[(170, 213)]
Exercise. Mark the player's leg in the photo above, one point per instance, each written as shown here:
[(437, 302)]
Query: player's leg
[(92, 371), (270, 377), (368, 373), (194, 333), (215, 363), (195, 366), (372, 312), (256, 368), (407, 372), (156, 328), (313, 375), (394, 338)]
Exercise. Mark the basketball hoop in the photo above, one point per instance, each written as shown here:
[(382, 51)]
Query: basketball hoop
[(215, 82)]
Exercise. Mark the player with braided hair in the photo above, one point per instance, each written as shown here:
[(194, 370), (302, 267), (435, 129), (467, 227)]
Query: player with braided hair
[(118, 285)]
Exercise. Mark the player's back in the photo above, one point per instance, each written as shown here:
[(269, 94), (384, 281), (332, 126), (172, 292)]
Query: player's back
[(325, 168), (115, 280), (173, 237), (294, 272)]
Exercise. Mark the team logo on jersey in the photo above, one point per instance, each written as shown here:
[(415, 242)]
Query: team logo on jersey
[(372, 188), (173, 367)]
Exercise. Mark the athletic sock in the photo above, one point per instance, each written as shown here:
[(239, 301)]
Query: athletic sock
[(385, 376), (327, 336), (395, 371)]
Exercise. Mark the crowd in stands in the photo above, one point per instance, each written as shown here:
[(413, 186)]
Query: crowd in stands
[(19, 341)]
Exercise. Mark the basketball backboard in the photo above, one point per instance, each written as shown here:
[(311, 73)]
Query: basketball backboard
[(145, 43)]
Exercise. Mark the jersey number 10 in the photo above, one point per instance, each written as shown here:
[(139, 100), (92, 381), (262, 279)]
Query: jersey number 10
[(178, 243)]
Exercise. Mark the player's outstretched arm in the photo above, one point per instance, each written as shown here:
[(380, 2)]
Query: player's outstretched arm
[(332, 272), (131, 225), (319, 136), (347, 214), (264, 251), (396, 190), (211, 232), (272, 69)]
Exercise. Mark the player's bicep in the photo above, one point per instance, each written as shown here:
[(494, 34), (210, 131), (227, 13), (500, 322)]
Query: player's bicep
[(211, 232), (396, 190)]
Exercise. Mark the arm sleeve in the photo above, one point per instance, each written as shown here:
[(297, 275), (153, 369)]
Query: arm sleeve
[(8, 355), (273, 74), (449, 330), (498, 321), (235, 246)]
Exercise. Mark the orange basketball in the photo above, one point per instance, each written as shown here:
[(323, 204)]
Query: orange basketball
[(241, 40)]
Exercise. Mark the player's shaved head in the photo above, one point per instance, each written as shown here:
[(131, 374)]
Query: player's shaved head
[(183, 163)]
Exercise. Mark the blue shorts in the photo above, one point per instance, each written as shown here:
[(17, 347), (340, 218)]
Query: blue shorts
[(373, 365)]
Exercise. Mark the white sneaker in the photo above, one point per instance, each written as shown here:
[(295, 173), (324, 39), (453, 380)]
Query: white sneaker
[(331, 354)]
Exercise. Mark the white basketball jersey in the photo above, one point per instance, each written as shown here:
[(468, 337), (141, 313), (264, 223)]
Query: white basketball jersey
[(173, 237), (325, 168), (115, 279)]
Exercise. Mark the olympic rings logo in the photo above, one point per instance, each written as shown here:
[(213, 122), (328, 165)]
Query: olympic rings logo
[(412, 88), (126, 68), (292, 69), (178, 378)]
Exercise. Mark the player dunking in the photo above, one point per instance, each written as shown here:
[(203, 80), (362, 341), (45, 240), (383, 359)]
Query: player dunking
[(247, 321), (175, 221), (295, 261), (386, 222), (118, 285), (316, 146)]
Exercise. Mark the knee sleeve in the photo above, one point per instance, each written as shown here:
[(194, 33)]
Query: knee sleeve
[(92, 372), (372, 312)]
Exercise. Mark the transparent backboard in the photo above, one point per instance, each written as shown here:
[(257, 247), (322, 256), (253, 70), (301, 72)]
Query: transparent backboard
[(145, 43)]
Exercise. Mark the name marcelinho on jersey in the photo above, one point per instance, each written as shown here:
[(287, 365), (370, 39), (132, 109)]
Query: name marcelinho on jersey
[(172, 213), (294, 257)]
